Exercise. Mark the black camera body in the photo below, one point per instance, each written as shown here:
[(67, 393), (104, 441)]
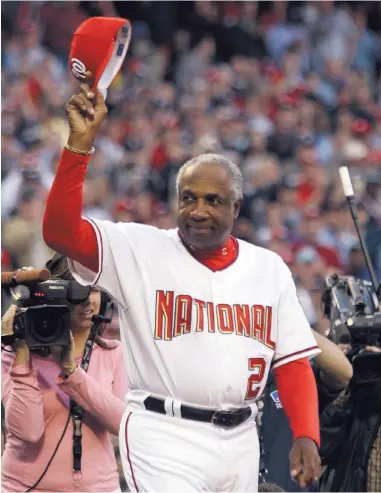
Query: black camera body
[(353, 307), (44, 317)]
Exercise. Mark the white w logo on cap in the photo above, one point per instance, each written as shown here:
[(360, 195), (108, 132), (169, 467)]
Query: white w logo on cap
[(78, 68)]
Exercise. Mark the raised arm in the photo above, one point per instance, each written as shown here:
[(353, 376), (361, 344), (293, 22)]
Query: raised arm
[(64, 229)]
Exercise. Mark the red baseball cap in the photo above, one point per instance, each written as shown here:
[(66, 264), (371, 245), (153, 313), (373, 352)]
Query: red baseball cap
[(100, 45)]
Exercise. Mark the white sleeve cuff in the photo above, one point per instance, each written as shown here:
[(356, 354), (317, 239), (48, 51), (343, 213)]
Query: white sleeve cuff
[(303, 353)]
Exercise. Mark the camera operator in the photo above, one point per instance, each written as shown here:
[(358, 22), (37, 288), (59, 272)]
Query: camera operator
[(351, 430), (333, 373), (351, 425), (37, 392)]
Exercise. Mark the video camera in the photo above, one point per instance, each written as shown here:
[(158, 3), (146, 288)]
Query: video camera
[(44, 315), (351, 304), (353, 307)]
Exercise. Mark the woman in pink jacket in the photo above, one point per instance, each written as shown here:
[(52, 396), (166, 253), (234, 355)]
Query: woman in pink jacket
[(36, 393)]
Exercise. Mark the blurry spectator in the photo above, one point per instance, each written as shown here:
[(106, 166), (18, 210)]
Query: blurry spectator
[(333, 35), (164, 217), (368, 50), (356, 264), (124, 211), (283, 141), (292, 214), (243, 229), (261, 185), (96, 193), (259, 122), (310, 230), (60, 20), (194, 64), (283, 33), (22, 234), (309, 267)]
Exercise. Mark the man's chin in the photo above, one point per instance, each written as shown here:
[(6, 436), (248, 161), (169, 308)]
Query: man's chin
[(200, 241)]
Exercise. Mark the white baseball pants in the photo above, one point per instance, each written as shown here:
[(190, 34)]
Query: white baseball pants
[(162, 453)]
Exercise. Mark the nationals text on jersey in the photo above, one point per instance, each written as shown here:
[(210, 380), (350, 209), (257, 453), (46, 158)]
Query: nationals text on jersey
[(173, 317)]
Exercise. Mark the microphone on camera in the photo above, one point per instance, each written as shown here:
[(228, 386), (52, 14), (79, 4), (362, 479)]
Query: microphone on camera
[(349, 194)]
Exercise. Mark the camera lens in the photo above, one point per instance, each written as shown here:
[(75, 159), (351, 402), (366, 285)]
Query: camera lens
[(47, 327), (44, 329)]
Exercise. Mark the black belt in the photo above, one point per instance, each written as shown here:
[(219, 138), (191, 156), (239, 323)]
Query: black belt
[(229, 418)]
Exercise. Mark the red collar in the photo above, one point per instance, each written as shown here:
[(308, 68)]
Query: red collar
[(218, 259)]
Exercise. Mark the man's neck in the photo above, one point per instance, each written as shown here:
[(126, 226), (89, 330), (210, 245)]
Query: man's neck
[(207, 252), (216, 258)]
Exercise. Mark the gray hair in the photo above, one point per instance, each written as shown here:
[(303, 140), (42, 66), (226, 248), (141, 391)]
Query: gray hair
[(209, 158)]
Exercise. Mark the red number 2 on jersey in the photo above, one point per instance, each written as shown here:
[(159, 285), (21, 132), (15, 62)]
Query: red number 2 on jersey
[(258, 366)]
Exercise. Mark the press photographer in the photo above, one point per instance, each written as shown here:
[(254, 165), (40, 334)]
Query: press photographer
[(63, 388), (351, 425)]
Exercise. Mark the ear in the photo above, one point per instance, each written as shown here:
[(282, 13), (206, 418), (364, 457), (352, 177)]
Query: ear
[(236, 207)]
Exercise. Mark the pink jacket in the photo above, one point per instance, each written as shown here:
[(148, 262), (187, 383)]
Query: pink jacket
[(36, 401)]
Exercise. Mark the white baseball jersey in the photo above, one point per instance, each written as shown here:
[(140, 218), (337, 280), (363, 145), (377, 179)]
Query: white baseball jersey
[(202, 337)]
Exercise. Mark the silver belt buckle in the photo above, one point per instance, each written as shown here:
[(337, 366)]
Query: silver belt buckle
[(227, 412), (223, 412), (214, 418)]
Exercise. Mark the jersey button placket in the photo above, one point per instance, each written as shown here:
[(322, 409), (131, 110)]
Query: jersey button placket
[(223, 344)]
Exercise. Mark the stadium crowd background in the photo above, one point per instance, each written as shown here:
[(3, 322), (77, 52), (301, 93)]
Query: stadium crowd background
[(288, 90)]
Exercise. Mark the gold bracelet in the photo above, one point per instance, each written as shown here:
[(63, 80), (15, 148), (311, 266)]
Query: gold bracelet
[(76, 151), (67, 375)]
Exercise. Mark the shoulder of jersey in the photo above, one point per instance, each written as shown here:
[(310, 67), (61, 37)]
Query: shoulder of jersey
[(146, 230), (250, 249), (143, 228)]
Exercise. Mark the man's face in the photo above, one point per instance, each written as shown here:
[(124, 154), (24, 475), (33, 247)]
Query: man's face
[(206, 209)]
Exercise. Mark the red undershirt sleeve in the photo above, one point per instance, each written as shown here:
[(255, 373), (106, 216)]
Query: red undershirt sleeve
[(64, 229), (298, 394)]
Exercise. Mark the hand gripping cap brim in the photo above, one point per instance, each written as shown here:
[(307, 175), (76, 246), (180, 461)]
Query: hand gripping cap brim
[(100, 45)]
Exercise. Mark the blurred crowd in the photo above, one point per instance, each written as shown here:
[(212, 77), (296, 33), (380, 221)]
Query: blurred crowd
[(290, 91)]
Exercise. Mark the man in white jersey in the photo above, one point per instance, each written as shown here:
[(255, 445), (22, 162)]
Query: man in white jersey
[(203, 317)]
